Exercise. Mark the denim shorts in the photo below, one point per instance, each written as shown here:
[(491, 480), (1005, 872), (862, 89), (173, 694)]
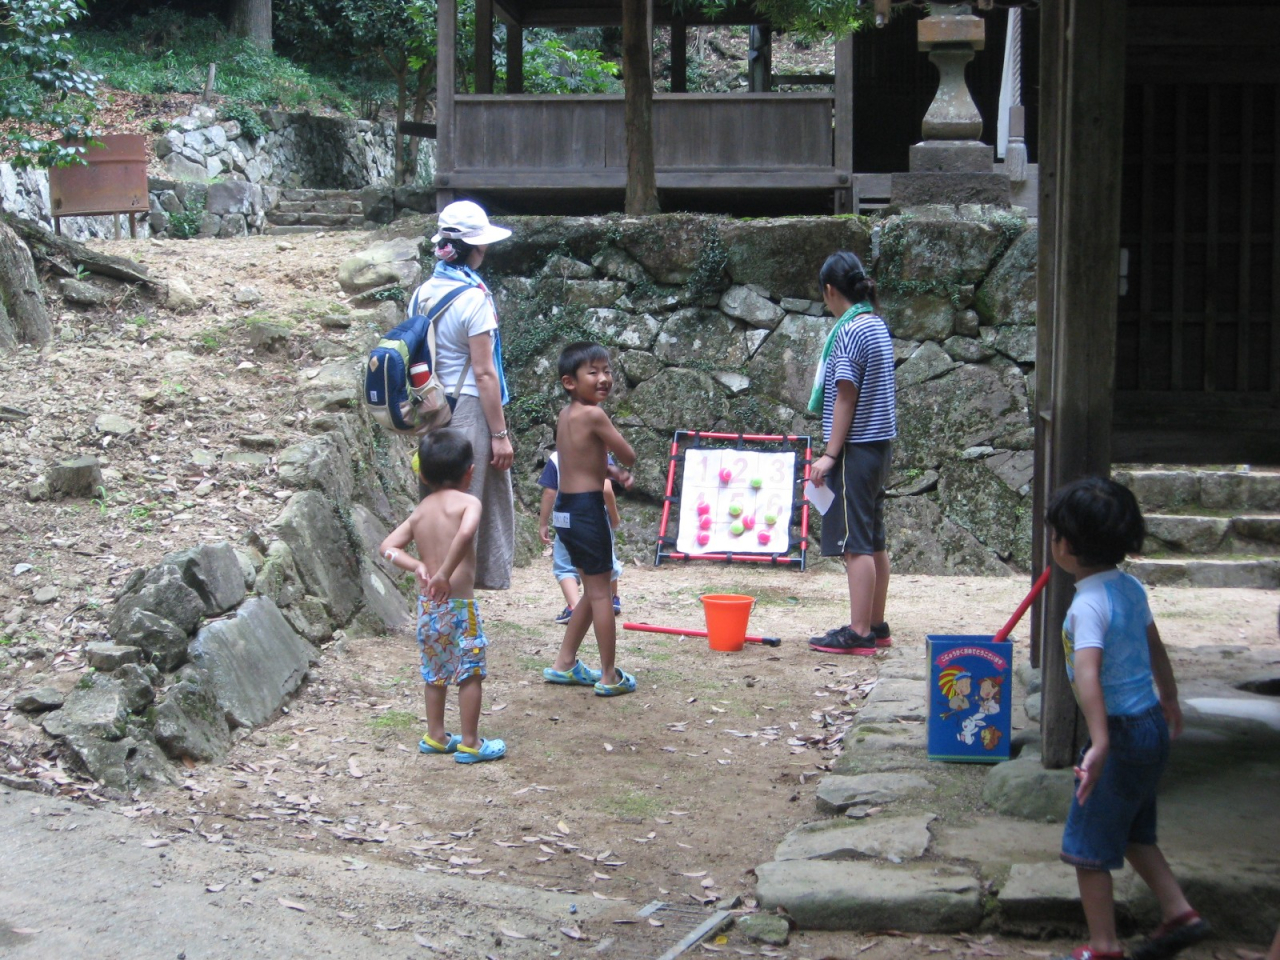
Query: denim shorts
[(562, 567), (1122, 807)]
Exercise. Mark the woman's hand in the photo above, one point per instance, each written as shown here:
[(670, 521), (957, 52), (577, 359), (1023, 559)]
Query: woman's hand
[(503, 453), (821, 467)]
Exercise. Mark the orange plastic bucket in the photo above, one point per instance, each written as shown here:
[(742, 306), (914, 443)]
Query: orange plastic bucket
[(727, 616)]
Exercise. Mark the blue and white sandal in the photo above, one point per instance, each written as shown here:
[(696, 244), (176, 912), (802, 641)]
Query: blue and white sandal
[(581, 675), (626, 684), (488, 750), (450, 745)]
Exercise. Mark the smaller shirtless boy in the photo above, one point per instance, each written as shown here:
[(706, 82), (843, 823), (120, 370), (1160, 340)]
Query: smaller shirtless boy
[(450, 636), (585, 436)]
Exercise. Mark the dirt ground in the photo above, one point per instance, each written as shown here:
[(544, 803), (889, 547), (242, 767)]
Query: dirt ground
[(673, 793)]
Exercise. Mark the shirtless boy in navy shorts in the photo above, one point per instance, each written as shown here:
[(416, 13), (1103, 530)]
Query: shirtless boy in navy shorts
[(585, 436)]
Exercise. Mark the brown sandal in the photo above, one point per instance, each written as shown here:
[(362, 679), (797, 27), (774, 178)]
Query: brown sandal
[(1172, 936)]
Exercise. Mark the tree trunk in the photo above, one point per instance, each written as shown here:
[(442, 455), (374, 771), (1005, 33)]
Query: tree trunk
[(427, 71), (24, 317), (642, 180), (251, 20)]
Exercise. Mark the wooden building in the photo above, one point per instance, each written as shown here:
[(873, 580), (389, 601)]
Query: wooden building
[(529, 152), (1159, 269)]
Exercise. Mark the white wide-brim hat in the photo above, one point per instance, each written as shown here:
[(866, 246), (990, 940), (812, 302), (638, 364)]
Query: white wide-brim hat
[(467, 221)]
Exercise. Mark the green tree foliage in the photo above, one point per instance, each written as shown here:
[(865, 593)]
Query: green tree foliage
[(808, 19), (552, 66), (40, 87)]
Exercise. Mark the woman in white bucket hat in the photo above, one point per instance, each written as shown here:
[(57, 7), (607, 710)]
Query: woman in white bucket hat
[(467, 338)]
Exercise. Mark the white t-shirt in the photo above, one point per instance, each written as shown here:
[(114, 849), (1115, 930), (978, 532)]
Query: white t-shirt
[(471, 314)]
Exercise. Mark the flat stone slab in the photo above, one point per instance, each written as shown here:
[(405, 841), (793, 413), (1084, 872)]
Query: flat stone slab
[(1043, 898), (255, 660), (851, 895), (837, 793), (106, 657), (884, 838)]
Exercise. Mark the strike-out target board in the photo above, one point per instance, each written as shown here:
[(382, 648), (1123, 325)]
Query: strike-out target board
[(736, 497)]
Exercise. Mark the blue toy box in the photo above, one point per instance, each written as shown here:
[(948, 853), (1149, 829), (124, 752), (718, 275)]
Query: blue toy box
[(970, 686)]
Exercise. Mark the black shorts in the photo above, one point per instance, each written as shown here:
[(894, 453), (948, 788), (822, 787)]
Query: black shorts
[(855, 522), (582, 523)]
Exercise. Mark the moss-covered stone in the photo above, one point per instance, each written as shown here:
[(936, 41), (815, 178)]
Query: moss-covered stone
[(982, 503), (918, 316), (783, 367), (784, 255), (1008, 295), (679, 399), (704, 335)]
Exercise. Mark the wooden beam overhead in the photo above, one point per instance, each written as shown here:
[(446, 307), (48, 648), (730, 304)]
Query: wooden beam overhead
[(608, 13)]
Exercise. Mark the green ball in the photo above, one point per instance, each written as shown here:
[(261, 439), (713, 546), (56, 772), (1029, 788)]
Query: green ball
[(736, 528), (735, 509), (756, 483), (771, 518)]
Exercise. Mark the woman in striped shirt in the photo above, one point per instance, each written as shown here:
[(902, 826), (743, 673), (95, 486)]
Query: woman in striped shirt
[(854, 391)]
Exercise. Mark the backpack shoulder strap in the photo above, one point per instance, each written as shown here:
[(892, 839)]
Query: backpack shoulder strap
[(435, 313)]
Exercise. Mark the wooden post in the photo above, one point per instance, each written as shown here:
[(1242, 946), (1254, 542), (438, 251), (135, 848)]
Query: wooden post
[(1081, 151), (446, 64), (484, 46), (679, 56), (637, 81), (843, 130), (515, 58)]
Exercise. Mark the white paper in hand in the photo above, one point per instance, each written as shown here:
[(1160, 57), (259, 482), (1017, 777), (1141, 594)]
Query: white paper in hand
[(820, 497)]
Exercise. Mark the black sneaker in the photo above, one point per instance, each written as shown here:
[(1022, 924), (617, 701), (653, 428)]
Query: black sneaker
[(880, 631), (844, 640)]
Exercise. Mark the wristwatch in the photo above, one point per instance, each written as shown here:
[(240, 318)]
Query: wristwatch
[(500, 435)]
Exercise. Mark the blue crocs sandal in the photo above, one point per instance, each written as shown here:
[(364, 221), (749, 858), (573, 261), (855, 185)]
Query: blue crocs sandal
[(450, 745), (626, 684), (581, 675), (488, 750)]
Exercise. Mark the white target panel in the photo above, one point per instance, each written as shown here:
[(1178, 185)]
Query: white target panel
[(736, 501)]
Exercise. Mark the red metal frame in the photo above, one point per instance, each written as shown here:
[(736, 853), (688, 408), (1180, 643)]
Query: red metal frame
[(774, 559)]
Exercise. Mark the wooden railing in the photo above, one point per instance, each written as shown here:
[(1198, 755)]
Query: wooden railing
[(700, 140)]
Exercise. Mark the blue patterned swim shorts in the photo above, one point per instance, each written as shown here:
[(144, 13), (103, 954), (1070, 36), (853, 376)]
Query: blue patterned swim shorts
[(451, 640)]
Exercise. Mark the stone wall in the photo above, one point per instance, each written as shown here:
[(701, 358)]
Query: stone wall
[(298, 151), (717, 324)]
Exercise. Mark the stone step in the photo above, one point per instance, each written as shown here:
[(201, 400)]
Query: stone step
[(1190, 489), (282, 229), (1256, 534), (330, 221), (1263, 574), (318, 206), (295, 195)]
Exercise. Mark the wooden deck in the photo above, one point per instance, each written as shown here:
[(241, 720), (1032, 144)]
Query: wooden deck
[(702, 141)]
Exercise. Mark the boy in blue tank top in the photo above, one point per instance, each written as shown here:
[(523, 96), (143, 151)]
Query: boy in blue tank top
[(1114, 656)]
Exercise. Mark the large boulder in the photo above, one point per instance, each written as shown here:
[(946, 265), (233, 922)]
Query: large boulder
[(122, 764), (1008, 296), (80, 477), (702, 333), (972, 405), (234, 196), (98, 706), (679, 399), (188, 720), (784, 255), (925, 541), (162, 642), (213, 571), (940, 247), (390, 262), (784, 366), (383, 599), (743, 303), (978, 500), (254, 660), (920, 316), (325, 463), (1023, 788), (162, 591), (322, 553)]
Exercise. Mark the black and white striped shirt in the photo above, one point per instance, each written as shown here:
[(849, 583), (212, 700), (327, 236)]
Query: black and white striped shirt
[(863, 355)]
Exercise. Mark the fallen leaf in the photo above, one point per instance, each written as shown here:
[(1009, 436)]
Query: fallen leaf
[(215, 888), (353, 768), (512, 934), (695, 875), (291, 905), (423, 941), (708, 883), (601, 876), (152, 844), (25, 931), (608, 748), (573, 933), (497, 706), (563, 828), (655, 922)]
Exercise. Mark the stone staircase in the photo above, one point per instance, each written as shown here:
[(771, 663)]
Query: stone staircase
[(1207, 527), (306, 211)]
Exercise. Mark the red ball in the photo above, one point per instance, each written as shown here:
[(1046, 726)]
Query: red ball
[(726, 475), (703, 509), (763, 536), (749, 521), (705, 523), (703, 539)]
